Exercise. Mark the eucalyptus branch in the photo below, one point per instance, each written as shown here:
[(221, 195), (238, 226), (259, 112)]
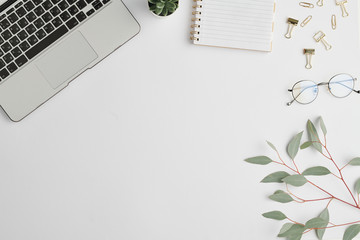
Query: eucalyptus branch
[(294, 229)]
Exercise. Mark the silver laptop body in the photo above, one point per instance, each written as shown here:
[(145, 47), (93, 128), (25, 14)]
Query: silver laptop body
[(45, 44)]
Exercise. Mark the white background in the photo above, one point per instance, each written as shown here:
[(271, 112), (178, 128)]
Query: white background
[(149, 144)]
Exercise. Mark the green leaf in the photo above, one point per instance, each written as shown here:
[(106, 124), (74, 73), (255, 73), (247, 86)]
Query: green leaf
[(158, 11), (305, 145), (293, 146), (324, 215), (294, 231), (322, 126), (316, 171), (285, 227), (271, 145), (295, 237), (357, 186), (261, 160), (276, 215), (275, 177), (351, 232), (316, 223), (355, 162), (295, 180), (281, 196), (160, 5), (313, 136)]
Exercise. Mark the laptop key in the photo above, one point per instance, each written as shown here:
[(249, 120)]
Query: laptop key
[(12, 67), (73, 10), (72, 23), (80, 16), (55, 11), (24, 46), (63, 5), (47, 5), (8, 58), (18, 4), (6, 35), (4, 24), (105, 1), (71, 1), (14, 29), (91, 11), (81, 4), (21, 60), (89, 1), (4, 73), (97, 4), (31, 17), (39, 11), (20, 12), (14, 41), (22, 35), (10, 11), (6, 47), (56, 22), (32, 40), (37, 2), (13, 18), (48, 28), (2, 63), (65, 16), (1, 40), (55, 1), (1, 54), (16, 52), (29, 5), (40, 34), (38, 23), (47, 41), (47, 17), (30, 29), (23, 22)]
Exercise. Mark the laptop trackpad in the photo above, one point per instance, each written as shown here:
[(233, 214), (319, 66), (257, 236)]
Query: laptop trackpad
[(65, 60)]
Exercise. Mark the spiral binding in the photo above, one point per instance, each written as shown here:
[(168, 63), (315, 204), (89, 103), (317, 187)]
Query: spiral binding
[(196, 21)]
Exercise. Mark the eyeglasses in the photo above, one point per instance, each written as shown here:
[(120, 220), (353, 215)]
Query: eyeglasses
[(340, 86)]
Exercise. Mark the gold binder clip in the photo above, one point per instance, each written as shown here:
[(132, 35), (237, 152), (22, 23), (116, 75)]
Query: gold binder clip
[(292, 23), (341, 3), (306, 21), (320, 37), (306, 4), (333, 22), (309, 53), (320, 3)]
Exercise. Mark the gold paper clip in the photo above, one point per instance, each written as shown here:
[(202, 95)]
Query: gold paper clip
[(320, 3), (306, 21), (333, 22), (309, 53), (292, 23), (306, 4), (319, 37), (341, 3)]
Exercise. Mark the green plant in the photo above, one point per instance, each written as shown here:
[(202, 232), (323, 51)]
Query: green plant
[(294, 230), (163, 7)]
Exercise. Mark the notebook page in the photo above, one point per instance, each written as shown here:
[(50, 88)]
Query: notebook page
[(244, 24)]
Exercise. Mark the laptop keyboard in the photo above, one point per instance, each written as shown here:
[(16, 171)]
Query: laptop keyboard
[(32, 25)]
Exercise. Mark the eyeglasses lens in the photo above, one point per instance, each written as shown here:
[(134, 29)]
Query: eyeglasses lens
[(341, 85), (305, 92)]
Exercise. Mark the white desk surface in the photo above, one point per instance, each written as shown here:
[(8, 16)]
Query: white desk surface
[(150, 143)]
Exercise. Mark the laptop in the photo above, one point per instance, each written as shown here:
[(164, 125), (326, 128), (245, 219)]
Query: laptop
[(45, 44)]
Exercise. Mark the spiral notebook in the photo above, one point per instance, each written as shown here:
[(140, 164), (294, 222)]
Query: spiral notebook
[(242, 24)]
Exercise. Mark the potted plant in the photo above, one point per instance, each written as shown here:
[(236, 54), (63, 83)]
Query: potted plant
[(163, 8)]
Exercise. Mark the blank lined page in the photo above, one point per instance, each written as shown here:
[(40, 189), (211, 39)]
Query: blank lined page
[(244, 24)]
